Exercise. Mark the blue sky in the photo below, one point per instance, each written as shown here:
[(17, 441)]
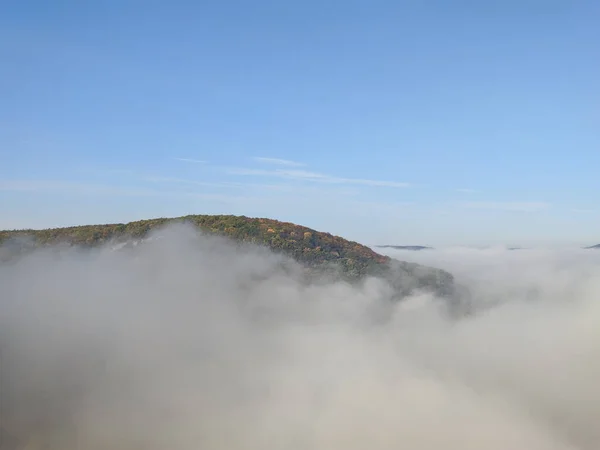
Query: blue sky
[(406, 122)]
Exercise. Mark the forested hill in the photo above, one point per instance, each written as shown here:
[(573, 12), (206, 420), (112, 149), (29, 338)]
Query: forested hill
[(301, 243), (307, 246)]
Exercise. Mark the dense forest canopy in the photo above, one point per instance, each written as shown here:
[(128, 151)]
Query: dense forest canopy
[(303, 244), (311, 248)]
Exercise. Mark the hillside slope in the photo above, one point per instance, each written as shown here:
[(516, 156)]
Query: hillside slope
[(317, 251)]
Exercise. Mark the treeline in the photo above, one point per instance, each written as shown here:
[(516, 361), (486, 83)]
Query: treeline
[(305, 245)]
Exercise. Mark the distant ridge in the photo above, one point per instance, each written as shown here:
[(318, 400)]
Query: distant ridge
[(593, 247), (406, 247)]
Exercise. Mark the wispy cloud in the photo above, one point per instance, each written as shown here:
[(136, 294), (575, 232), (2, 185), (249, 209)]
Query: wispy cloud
[(265, 187), (507, 206), (79, 188), (278, 161), (175, 180), (190, 160), (583, 210), (74, 187), (303, 175)]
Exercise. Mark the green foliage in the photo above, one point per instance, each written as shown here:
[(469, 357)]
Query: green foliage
[(307, 246)]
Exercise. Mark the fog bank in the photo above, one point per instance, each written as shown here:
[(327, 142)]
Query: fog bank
[(187, 342)]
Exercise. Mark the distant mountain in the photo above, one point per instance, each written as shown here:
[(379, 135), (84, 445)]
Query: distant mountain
[(406, 247), (318, 252), (595, 247)]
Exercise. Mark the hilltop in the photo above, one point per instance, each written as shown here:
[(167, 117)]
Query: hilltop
[(317, 251)]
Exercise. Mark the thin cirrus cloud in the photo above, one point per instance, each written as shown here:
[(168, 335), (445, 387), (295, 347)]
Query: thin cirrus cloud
[(278, 161), (72, 187), (583, 210), (507, 206), (176, 180), (78, 188), (190, 160), (303, 175)]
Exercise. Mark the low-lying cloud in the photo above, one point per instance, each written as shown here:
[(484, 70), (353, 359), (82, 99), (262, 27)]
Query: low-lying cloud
[(188, 342)]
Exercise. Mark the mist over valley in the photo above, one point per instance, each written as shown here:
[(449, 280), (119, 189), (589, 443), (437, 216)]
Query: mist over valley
[(184, 339)]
